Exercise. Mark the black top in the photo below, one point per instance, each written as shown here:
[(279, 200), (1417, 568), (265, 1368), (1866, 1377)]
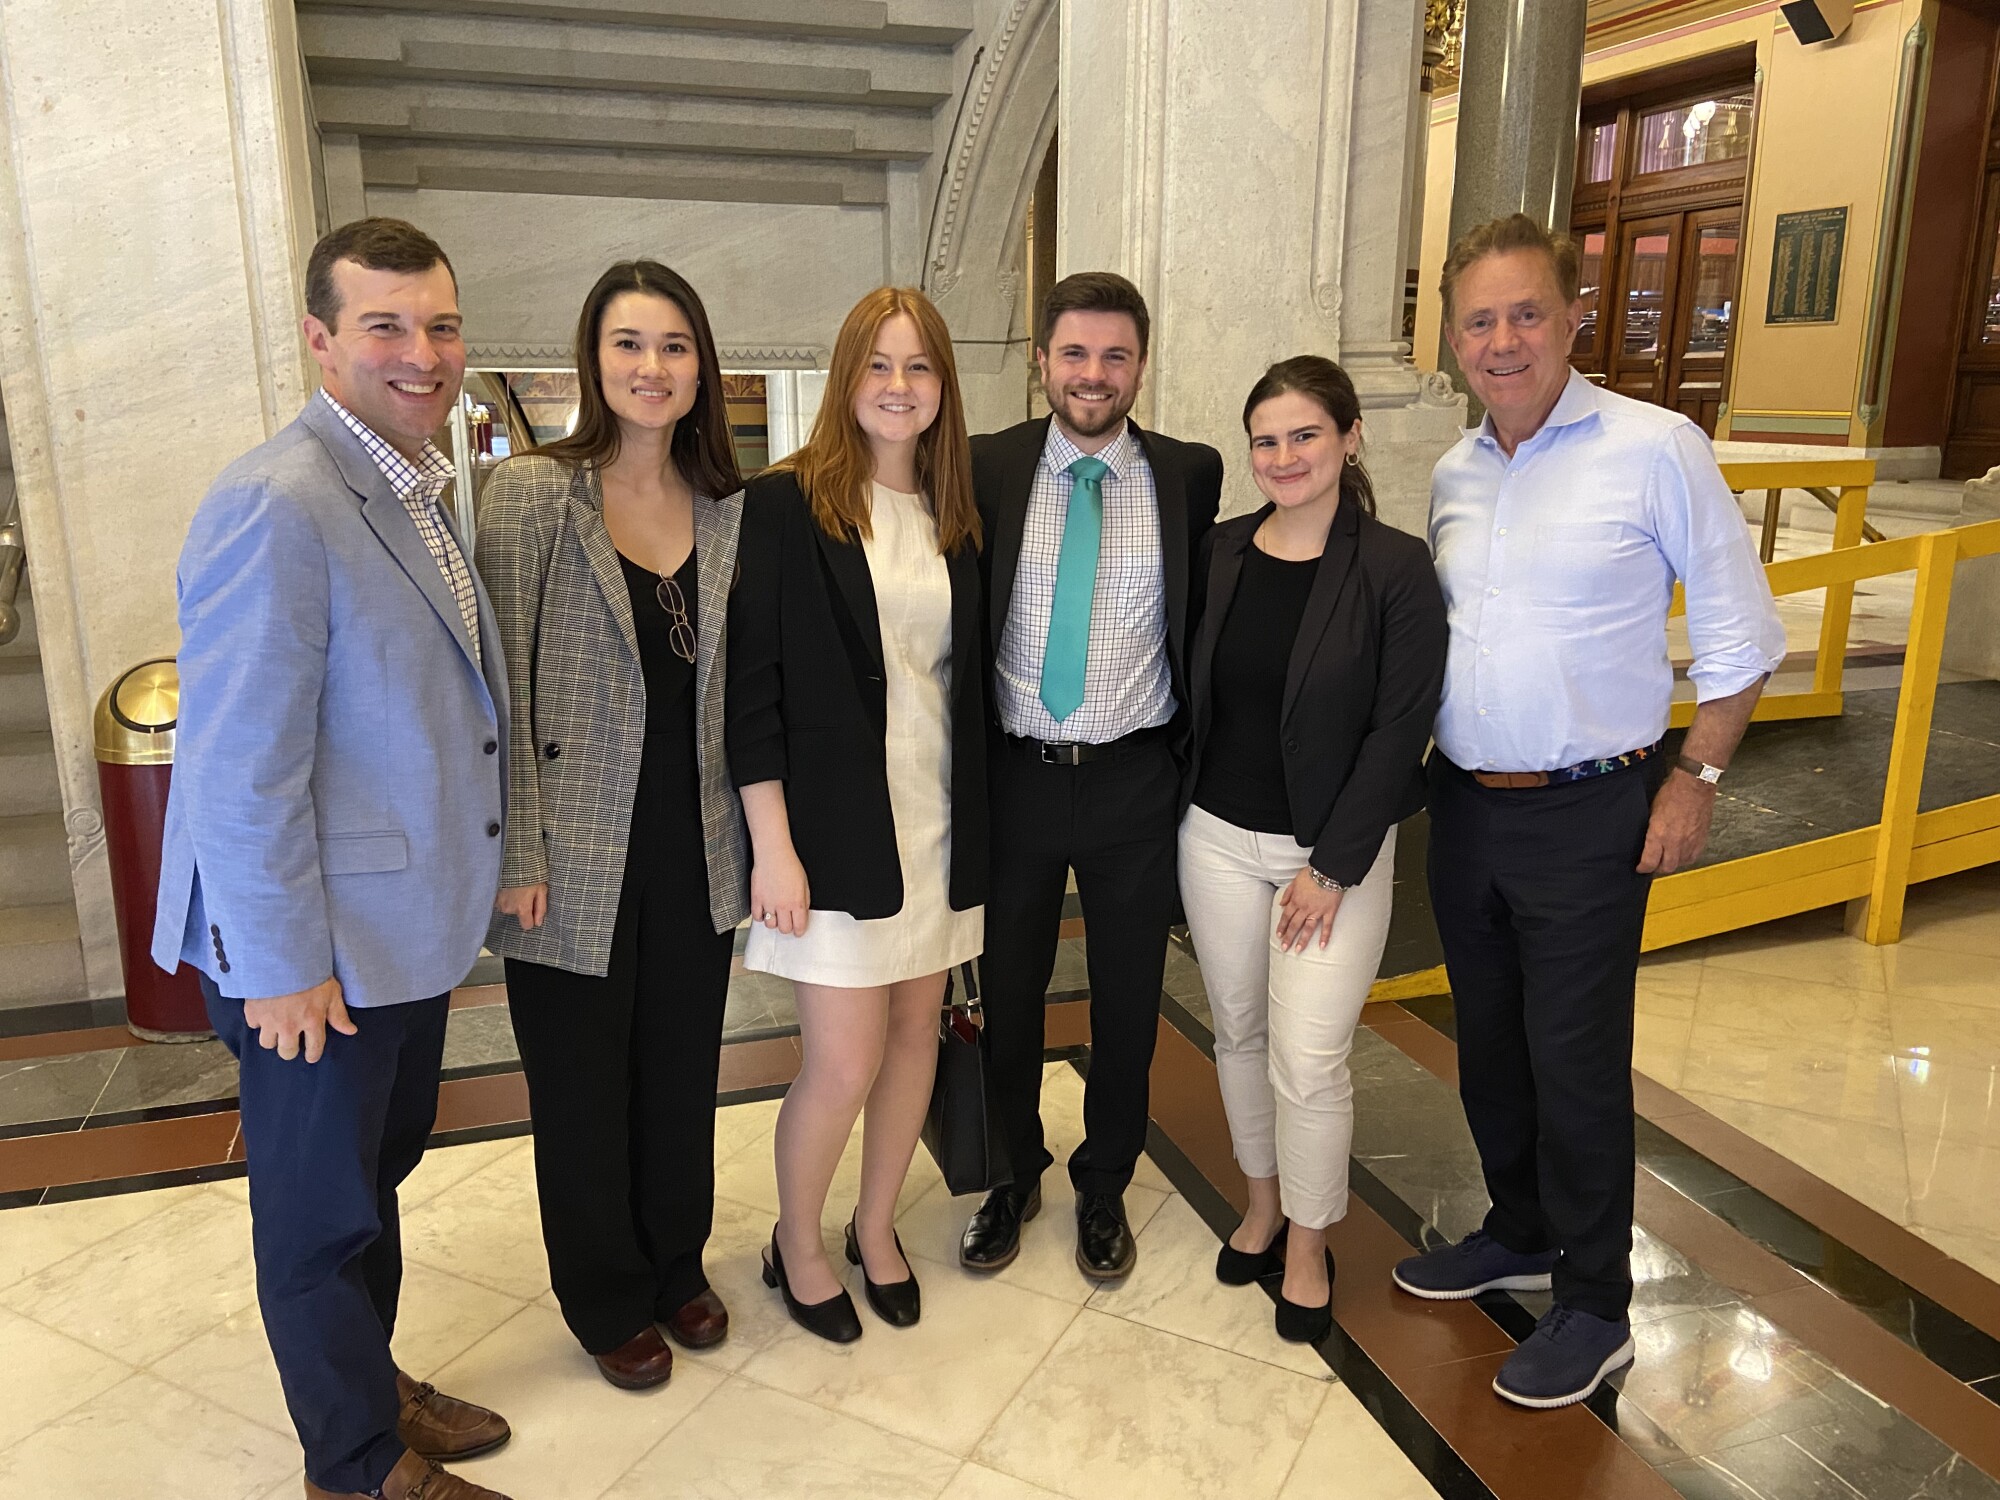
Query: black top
[(808, 704), (669, 676), (1363, 674), (1242, 765)]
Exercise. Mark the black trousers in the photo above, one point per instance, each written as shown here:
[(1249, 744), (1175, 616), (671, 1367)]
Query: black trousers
[(1541, 911), (621, 1077), (328, 1144), (1112, 821)]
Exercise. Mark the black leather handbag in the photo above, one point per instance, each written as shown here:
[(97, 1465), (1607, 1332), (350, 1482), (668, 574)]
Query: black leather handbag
[(960, 1130)]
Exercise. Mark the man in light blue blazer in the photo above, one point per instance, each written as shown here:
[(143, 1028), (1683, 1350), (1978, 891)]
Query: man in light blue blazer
[(333, 838)]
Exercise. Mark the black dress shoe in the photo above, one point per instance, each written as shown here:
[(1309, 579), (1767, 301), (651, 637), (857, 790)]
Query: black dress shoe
[(834, 1319), (993, 1238), (1307, 1325), (897, 1303), (1105, 1249), (1235, 1267)]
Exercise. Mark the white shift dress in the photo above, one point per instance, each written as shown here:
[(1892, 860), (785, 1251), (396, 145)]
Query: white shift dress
[(913, 601)]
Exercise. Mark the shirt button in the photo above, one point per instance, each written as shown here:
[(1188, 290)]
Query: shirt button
[(1493, 591), (1503, 531), (1482, 713), (1485, 651), (493, 829), (491, 746)]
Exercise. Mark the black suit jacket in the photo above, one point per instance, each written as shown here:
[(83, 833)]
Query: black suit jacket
[(1361, 686), (808, 704), (1187, 483)]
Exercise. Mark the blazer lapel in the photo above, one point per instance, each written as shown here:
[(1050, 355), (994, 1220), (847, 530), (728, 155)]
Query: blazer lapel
[(715, 531), (388, 518), (586, 512), (1170, 495), (849, 566), (1335, 563), (1015, 484), (1225, 567)]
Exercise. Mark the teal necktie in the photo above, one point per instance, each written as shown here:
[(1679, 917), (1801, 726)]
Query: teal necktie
[(1076, 581)]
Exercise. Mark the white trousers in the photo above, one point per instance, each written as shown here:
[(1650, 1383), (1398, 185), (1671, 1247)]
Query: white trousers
[(1284, 1022)]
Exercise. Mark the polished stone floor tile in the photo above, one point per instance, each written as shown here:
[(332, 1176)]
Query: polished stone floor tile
[(1665, 1283), (1885, 1457), (479, 1036), (1865, 1160), (485, 1229), (1347, 1456), (1955, 1185), (1945, 1033), (36, 1238), (748, 1440), (976, 1482), (1828, 1076), (1716, 1378), (1776, 1468), (446, 1166), (53, 1088), (1980, 1251), (165, 1076), (46, 1374), (1119, 1411)]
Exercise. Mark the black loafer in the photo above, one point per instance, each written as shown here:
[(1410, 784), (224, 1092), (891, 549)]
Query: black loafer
[(834, 1319), (1105, 1249), (1235, 1267), (1307, 1325), (897, 1303), (993, 1238)]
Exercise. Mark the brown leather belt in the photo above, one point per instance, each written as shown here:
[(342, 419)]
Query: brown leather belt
[(1511, 778), (1582, 771)]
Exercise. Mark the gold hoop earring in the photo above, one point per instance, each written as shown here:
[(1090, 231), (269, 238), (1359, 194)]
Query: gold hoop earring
[(1354, 459)]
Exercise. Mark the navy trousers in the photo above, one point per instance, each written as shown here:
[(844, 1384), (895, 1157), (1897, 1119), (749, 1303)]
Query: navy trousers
[(1540, 910), (328, 1144)]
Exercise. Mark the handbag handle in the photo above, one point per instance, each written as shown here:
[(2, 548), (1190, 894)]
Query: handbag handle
[(965, 1018)]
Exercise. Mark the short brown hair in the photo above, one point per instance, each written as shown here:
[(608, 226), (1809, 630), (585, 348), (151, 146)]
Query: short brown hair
[(1093, 291), (375, 244), (1513, 232)]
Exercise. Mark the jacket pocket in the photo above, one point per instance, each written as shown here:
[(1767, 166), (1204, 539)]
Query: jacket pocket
[(363, 853)]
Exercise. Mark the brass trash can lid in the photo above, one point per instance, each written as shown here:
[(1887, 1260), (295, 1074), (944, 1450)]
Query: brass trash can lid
[(137, 714)]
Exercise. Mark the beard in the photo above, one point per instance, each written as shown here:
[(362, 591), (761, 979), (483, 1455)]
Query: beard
[(1087, 419)]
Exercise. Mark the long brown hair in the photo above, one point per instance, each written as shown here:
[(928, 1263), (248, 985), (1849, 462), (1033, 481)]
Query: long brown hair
[(1323, 382), (835, 467), (701, 449)]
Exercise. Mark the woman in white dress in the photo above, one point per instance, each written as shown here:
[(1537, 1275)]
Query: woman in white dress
[(856, 734)]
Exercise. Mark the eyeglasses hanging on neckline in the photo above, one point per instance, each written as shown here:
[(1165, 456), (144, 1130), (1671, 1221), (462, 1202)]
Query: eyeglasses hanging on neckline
[(680, 632)]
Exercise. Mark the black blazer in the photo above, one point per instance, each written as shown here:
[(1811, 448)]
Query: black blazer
[(1187, 482), (808, 704), (1361, 690)]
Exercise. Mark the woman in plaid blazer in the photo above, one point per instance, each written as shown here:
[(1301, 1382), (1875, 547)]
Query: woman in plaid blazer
[(609, 556)]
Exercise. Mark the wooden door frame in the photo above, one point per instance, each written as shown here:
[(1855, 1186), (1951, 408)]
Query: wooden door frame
[(1691, 227), (1669, 298)]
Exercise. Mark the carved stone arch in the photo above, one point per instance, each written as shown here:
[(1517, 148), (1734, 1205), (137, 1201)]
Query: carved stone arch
[(973, 262)]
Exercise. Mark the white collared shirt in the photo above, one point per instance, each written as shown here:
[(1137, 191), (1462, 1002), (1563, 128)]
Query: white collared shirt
[(1127, 683), (1558, 566)]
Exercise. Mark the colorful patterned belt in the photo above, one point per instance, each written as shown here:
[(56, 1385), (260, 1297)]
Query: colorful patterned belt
[(1583, 770)]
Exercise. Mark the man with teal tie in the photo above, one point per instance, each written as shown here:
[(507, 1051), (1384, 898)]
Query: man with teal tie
[(1089, 527)]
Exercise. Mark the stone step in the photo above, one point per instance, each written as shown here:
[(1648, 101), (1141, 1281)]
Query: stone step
[(34, 861), (23, 703), (28, 773), (41, 958)]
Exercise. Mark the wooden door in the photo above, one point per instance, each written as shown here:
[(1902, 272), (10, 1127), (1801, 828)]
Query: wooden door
[(1647, 280), (1973, 445), (1701, 320)]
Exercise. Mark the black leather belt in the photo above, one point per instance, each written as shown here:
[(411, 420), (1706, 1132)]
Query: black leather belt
[(1077, 752)]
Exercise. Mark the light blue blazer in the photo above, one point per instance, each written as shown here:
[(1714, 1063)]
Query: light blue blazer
[(340, 769)]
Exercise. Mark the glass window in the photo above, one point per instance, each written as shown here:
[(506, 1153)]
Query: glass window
[(1714, 289), (1687, 135), (1645, 292), (1589, 285), (1600, 151)]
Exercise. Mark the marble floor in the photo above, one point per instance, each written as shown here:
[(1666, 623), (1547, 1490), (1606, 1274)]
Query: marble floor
[(136, 1365)]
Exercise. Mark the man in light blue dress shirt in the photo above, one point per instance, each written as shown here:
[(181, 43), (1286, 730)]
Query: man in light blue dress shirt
[(1560, 526)]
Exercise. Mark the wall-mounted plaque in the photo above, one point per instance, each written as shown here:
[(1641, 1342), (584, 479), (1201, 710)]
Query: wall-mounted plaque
[(1805, 267)]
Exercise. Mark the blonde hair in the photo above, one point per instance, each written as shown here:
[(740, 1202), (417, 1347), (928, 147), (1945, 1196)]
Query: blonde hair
[(1513, 232), (836, 466)]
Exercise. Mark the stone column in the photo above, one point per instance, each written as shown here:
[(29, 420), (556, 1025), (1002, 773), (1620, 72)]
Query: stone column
[(155, 212), (1248, 168), (1520, 86)]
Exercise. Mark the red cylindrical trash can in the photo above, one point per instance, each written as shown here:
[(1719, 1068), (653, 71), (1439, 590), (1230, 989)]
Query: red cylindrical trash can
[(135, 765)]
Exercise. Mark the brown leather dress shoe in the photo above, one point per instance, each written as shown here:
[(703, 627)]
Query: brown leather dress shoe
[(642, 1361), (434, 1425), (415, 1478), (701, 1323)]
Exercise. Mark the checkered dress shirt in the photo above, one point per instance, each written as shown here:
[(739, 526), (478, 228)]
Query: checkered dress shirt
[(418, 486), (1127, 684)]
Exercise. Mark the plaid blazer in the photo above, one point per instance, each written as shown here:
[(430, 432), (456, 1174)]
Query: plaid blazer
[(565, 621)]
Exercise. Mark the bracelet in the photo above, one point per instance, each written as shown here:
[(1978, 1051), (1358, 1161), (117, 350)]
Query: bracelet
[(1324, 882)]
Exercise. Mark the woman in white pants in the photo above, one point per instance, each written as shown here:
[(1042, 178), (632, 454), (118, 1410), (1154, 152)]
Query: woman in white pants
[(1314, 676)]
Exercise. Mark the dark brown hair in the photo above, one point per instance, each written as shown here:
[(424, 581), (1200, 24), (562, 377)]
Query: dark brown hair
[(836, 466), (375, 245), (1093, 291), (701, 449), (1325, 383), (1513, 232)]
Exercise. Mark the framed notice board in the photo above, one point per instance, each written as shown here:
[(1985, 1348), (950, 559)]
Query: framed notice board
[(1805, 266)]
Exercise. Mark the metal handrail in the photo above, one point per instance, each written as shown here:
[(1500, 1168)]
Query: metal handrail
[(13, 561)]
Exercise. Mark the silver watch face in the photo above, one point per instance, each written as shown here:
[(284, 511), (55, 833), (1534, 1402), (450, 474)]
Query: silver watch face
[(1711, 774)]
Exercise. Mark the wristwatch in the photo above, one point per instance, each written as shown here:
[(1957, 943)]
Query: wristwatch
[(1324, 882), (1700, 770)]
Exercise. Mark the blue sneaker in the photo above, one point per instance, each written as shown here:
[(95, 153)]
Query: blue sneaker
[(1478, 1263), (1564, 1359)]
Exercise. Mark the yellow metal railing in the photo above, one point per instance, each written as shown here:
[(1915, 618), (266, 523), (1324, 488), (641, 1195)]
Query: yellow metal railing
[(1872, 867)]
